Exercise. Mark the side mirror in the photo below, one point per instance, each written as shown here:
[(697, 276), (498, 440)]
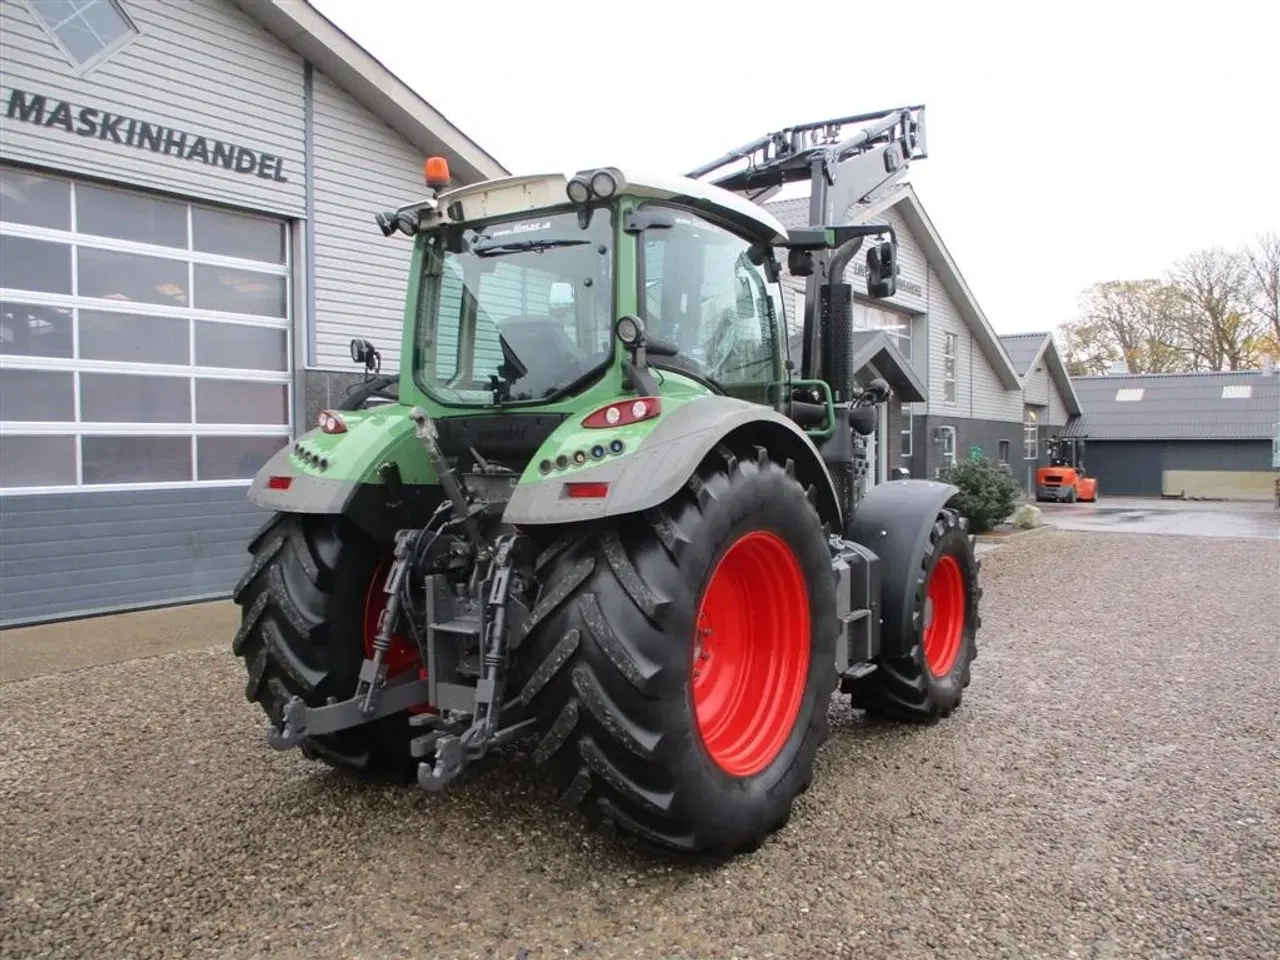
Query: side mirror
[(362, 351), (882, 270), (863, 420), (799, 262), (899, 473)]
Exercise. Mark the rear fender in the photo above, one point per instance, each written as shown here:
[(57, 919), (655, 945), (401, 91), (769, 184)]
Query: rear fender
[(346, 473), (661, 460), (894, 520)]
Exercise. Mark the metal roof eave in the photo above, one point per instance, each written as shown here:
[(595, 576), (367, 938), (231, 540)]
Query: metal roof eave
[(937, 254), (879, 351), (311, 35), (1058, 369)]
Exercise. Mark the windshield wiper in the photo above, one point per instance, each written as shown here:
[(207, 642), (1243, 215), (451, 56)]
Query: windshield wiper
[(511, 246)]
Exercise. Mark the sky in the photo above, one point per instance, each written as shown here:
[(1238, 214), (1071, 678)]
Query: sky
[(1099, 141)]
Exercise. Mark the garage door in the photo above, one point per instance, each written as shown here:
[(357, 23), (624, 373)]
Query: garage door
[(145, 375), (1126, 468)]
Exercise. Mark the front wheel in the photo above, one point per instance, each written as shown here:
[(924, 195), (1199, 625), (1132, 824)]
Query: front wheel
[(927, 682), (680, 663)]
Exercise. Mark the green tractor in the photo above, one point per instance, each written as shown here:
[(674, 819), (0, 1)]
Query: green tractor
[(600, 511)]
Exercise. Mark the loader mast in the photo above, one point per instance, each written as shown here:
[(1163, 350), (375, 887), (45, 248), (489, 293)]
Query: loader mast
[(847, 161)]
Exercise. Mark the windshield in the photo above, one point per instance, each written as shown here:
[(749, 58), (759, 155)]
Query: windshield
[(516, 310)]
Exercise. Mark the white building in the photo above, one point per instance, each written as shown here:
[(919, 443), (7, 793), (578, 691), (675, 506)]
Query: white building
[(187, 246)]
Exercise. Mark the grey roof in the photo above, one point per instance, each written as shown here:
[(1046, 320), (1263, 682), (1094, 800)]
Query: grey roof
[(1177, 406), (875, 349), (1023, 348)]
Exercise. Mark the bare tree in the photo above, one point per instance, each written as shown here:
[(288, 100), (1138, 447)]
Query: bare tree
[(1263, 266), (1219, 328), (1138, 321)]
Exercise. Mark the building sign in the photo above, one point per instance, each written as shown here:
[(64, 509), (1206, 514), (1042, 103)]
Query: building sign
[(103, 126)]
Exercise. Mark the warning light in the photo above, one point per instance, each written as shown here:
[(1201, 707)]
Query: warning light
[(437, 171)]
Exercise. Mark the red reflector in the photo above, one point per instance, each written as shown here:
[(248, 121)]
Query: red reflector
[(622, 412), (586, 490), (279, 483)]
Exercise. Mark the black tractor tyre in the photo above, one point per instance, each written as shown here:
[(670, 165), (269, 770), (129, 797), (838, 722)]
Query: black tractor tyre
[(608, 659), (302, 632), (927, 683)]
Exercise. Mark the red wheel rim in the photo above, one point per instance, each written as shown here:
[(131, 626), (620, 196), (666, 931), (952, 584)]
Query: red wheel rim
[(402, 655), (944, 616), (751, 654)]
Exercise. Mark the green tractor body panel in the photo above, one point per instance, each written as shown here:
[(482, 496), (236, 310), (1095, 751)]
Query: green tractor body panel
[(582, 473), (321, 471)]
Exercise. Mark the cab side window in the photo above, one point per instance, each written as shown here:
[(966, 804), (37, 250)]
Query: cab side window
[(701, 291)]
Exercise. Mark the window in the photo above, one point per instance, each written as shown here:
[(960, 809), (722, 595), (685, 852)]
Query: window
[(1129, 394), (948, 438), (1002, 454), (949, 368), (86, 30), (140, 341), (906, 430), (1030, 435), (894, 324), (1237, 391), (495, 315), (713, 303)]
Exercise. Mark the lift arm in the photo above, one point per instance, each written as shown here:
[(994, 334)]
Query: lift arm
[(848, 160), (868, 159)]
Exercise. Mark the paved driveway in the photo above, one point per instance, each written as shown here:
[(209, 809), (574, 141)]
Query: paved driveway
[(1184, 517)]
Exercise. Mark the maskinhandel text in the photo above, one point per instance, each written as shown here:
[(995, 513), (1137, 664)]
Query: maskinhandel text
[(91, 122)]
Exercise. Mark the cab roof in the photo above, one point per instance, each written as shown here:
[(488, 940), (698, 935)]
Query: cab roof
[(515, 194)]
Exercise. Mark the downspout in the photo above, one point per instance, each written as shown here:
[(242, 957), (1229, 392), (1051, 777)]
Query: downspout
[(309, 176)]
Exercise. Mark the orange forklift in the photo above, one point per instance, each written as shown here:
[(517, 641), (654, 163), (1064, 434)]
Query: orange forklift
[(1064, 479)]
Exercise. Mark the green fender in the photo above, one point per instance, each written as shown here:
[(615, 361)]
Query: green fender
[(336, 473), (659, 460)]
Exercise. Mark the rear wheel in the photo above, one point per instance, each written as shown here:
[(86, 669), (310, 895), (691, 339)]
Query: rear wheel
[(680, 663), (310, 602), (928, 681)]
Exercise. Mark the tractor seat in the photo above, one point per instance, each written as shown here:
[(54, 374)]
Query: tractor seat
[(546, 351)]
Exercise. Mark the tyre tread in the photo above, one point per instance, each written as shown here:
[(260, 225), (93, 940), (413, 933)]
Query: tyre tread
[(898, 690), (284, 636), (603, 756)]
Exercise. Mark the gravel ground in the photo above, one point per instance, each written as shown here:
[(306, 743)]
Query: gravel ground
[(1108, 790)]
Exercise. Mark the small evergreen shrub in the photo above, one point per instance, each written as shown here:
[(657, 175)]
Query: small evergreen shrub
[(988, 494)]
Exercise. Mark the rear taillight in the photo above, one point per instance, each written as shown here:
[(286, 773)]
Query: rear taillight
[(279, 483), (330, 422), (623, 412)]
